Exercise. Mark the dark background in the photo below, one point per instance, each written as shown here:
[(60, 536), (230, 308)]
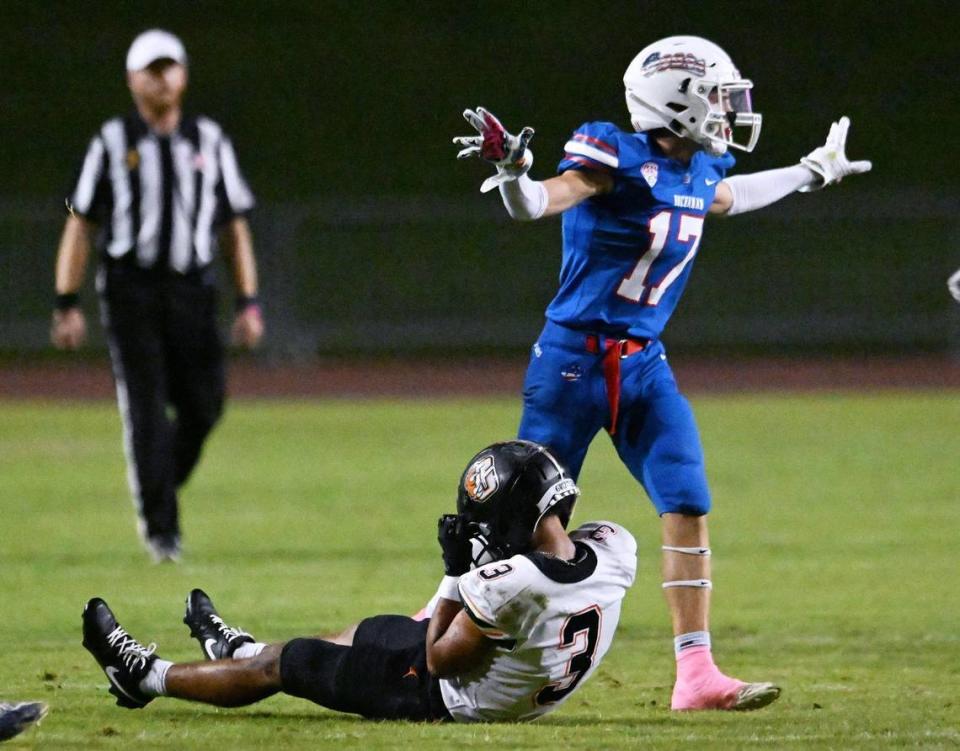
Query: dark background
[(372, 236)]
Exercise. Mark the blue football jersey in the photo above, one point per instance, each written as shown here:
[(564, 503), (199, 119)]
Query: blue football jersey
[(627, 255)]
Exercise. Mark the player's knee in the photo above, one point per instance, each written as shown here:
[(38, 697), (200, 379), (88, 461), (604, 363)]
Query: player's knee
[(309, 669), (267, 664), (687, 506)]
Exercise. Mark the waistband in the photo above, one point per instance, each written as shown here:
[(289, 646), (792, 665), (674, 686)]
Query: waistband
[(126, 269), (592, 341)]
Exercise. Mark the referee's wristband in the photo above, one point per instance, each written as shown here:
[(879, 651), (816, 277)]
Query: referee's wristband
[(245, 301), (66, 300)]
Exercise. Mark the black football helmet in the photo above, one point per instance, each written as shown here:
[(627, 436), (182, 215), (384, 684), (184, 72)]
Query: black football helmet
[(504, 493)]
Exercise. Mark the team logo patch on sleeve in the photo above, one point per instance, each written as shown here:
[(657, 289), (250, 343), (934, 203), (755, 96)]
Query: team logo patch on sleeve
[(650, 172), (482, 480)]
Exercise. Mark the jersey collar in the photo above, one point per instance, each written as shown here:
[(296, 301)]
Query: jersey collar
[(582, 566)]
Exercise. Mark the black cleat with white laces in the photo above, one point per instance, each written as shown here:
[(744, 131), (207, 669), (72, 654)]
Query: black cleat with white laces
[(217, 640), (125, 661)]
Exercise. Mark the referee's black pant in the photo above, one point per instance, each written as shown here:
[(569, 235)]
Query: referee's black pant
[(167, 358)]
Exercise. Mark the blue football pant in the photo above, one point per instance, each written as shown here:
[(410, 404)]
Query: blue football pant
[(565, 404)]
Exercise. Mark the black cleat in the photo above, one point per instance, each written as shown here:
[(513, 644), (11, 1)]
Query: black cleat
[(125, 661), (15, 718), (217, 640)]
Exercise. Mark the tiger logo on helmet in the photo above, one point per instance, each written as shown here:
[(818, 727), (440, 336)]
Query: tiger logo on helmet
[(481, 479)]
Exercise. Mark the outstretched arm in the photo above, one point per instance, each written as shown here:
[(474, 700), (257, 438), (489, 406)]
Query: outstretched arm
[(527, 199), (524, 199), (825, 165)]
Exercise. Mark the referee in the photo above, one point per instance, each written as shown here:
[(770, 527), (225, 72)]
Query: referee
[(159, 191)]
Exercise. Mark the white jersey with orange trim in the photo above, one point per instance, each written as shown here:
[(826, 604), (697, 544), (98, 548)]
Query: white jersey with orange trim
[(553, 622)]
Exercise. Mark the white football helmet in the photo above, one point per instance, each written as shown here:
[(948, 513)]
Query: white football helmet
[(691, 87)]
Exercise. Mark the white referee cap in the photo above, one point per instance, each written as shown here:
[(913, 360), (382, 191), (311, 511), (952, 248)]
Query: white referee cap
[(152, 45)]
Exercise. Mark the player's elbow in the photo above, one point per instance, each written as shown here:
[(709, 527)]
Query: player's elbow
[(524, 199), (438, 664), (522, 213)]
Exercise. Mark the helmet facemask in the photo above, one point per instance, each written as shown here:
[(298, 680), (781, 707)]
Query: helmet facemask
[(728, 110), (482, 548)]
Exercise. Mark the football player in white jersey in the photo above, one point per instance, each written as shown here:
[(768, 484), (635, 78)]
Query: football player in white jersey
[(523, 617)]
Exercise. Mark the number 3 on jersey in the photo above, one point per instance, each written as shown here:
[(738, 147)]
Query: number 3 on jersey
[(635, 286), (586, 625)]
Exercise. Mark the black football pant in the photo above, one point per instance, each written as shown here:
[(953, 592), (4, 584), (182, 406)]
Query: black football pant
[(382, 676), (168, 366)]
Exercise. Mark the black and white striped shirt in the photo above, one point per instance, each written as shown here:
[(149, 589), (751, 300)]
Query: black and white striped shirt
[(160, 200)]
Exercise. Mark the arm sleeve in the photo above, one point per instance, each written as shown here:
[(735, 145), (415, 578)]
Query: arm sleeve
[(524, 198), (593, 146), (88, 190), (751, 192)]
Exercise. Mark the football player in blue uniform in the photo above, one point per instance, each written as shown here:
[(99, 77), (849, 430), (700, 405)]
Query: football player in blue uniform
[(634, 206)]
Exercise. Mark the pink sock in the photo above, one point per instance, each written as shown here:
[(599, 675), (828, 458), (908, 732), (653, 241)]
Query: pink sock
[(695, 663), (700, 684)]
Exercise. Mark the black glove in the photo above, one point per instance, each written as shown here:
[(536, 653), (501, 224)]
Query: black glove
[(455, 544)]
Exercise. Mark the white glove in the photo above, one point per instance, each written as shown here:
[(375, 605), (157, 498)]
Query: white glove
[(830, 161), (509, 153), (953, 284)]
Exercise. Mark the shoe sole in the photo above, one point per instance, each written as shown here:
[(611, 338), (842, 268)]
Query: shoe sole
[(125, 701), (755, 696)]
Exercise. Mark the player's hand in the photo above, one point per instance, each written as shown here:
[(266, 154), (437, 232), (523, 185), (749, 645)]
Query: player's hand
[(455, 544), (829, 162), (247, 327), (953, 284), (508, 152), (68, 329)]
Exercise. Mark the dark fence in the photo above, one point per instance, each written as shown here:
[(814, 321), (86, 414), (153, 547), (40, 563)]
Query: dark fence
[(372, 237), (840, 269)]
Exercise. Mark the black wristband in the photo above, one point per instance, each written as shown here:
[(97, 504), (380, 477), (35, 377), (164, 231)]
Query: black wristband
[(67, 300), (245, 301)]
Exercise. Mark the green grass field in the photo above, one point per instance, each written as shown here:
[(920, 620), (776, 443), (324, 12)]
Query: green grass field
[(835, 564)]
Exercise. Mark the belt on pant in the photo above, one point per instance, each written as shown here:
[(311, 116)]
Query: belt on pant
[(614, 350)]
